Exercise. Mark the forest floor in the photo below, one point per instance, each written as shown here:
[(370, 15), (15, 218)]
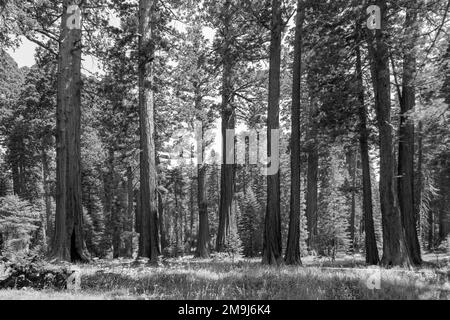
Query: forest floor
[(226, 278)]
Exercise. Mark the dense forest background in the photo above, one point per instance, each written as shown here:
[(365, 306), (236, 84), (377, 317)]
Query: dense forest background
[(363, 115)]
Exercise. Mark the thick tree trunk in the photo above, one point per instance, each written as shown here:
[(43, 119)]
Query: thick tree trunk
[(272, 248), (394, 247), (293, 242), (68, 242), (149, 228), (406, 141), (227, 223), (372, 256)]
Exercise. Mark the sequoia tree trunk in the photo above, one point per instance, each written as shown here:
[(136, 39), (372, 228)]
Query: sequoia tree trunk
[(395, 252), (293, 243), (372, 256), (406, 140), (68, 241), (149, 221), (227, 223), (272, 226)]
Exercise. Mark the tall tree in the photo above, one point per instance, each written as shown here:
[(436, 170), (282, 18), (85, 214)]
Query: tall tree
[(227, 176), (372, 256), (394, 247), (149, 242), (68, 242), (312, 150), (406, 136), (293, 242), (272, 226)]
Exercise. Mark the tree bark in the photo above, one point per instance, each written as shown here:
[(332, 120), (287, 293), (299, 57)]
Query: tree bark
[(394, 247), (138, 219), (1, 244), (47, 193), (430, 230), (227, 223), (372, 256), (293, 244), (406, 140), (312, 169), (149, 228), (272, 226), (418, 188), (351, 164), (203, 227), (68, 241), (161, 220), (130, 213)]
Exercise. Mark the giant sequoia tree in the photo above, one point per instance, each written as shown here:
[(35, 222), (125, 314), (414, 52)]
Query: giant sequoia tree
[(68, 242), (272, 225), (293, 244), (406, 136), (227, 222), (372, 256), (394, 247), (149, 238)]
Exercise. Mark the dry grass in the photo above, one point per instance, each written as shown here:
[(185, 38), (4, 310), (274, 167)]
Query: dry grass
[(189, 278)]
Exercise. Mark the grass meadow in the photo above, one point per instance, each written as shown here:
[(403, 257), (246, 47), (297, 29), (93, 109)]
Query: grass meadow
[(347, 278)]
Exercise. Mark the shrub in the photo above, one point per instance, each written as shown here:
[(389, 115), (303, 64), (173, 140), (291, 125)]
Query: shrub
[(18, 220)]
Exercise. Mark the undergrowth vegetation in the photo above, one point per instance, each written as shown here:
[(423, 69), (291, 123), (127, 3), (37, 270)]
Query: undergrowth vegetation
[(221, 278)]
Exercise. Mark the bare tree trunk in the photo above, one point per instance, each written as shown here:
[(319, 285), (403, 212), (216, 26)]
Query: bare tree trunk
[(430, 230), (111, 209), (130, 213), (394, 247), (138, 220), (418, 188), (177, 216), (227, 176), (17, 185), (351, 164), (203, 227), (293, 243), (312, 169), (272, 226), (47, 193), (191, 238), (161, 220), (372, 256), (149, 212), (68, 241), (1, 244), (406, 141)]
